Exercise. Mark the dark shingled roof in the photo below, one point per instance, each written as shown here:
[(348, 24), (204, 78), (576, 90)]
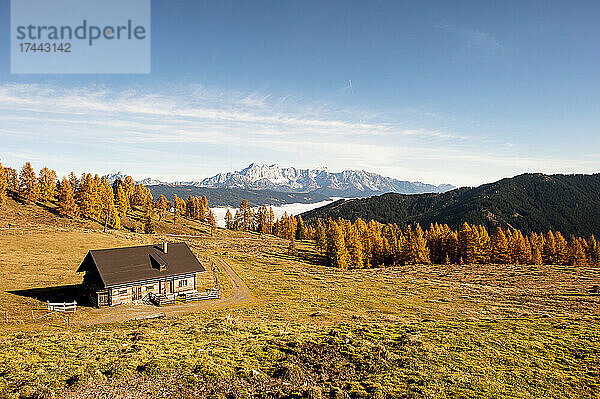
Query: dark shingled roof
[(122, 265)]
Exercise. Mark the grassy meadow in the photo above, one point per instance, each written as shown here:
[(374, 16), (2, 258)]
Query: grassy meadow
[(425, 331)]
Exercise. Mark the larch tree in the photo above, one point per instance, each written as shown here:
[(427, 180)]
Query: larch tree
[(73, 181), (338, 254), (29, 190), (161, 205), (148, 220), (129, 190), (229, 221), (67, 207), (3, 185), (355, 249), (47, 182), (212, 222), (577, 256)]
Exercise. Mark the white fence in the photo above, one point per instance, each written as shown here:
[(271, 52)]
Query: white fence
[(65, 307)]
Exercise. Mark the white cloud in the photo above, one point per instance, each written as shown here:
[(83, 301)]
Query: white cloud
[(194, 132)]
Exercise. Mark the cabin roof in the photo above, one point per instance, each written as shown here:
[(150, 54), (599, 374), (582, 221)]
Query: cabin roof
[(118, 266)]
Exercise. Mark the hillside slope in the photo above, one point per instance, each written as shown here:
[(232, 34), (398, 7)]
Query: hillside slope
[(530, 202)]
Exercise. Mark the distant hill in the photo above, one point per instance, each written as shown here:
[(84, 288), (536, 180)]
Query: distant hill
[(347, 184), (530, 202), (234, 196)]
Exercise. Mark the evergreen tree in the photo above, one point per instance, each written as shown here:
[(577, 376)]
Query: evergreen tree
[(28, 184), (47, 184)]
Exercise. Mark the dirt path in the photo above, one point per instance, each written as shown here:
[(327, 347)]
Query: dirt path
[(241, 294)]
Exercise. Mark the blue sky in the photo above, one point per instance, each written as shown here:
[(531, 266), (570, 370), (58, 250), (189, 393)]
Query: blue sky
[(440, 92)]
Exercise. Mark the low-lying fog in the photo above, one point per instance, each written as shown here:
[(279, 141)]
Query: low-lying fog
[(291, 209)]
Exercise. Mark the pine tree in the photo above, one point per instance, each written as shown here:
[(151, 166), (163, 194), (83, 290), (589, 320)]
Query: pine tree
[(28, 184), (47, 184), (3, 185), (67, 206)]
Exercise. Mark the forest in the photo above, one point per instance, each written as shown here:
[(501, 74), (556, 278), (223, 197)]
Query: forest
[(528, 202)]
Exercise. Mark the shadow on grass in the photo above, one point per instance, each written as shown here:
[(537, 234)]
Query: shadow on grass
[(61, 293)]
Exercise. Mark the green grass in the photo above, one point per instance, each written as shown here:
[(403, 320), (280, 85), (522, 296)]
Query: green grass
[(545, 357), (422, 331)]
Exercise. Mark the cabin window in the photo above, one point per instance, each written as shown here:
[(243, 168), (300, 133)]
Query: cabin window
[(182, 283), (149, 287), (123, 292)]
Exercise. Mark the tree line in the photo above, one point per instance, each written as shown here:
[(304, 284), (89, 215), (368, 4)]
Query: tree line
[(362, 245), (94, 198)]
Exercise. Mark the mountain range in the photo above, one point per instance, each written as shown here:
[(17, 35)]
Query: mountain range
[(529, 202), (348, 183)]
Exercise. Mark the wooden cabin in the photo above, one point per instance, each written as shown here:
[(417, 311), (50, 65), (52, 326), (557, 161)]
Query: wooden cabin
[(124, 275)]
